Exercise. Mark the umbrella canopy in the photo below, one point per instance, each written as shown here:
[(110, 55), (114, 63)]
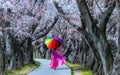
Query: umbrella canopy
[(53, 42)]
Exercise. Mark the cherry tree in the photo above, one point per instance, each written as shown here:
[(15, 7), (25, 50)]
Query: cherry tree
[(25, 22)]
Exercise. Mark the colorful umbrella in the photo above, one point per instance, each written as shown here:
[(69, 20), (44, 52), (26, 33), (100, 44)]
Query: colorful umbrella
[(53, 42)]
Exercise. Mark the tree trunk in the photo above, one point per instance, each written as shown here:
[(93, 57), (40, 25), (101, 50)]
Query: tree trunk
[(100, 43), (18, 61), (2, 60), (8, 51), (2, 50), (27, 52), (116, 65)]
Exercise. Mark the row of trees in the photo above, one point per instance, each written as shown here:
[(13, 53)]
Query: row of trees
[(94, 35), (97, 50), (21, 23), (86, 27)]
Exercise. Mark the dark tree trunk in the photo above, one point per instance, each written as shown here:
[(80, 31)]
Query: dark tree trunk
[(27, 52), (2, 50), (8, 51), (95, 36), (98, 35), (2, 59), (23, 53), (18, 60)]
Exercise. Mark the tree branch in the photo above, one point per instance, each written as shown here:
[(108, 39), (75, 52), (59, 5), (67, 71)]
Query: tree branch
[(105, 17), (98, 7), (45, 32), (59, 9), (78, 28), (86, 16)]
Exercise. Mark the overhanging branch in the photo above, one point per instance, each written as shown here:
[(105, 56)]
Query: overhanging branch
[(45, 32), (105, 17), (59, 9), (78, 28), (86, 17)]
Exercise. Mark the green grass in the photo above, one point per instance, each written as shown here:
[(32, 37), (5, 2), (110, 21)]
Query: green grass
[(72, 72), (74, 67), (24, 70), (86, 72)]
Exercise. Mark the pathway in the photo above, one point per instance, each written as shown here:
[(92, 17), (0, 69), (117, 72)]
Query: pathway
[(44, 69)]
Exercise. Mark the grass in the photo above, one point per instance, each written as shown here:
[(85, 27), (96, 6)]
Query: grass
[(86, 72), (24, 70), (74, 67)]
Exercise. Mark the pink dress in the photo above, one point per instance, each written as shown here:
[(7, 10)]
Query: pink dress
[(57, 59)]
